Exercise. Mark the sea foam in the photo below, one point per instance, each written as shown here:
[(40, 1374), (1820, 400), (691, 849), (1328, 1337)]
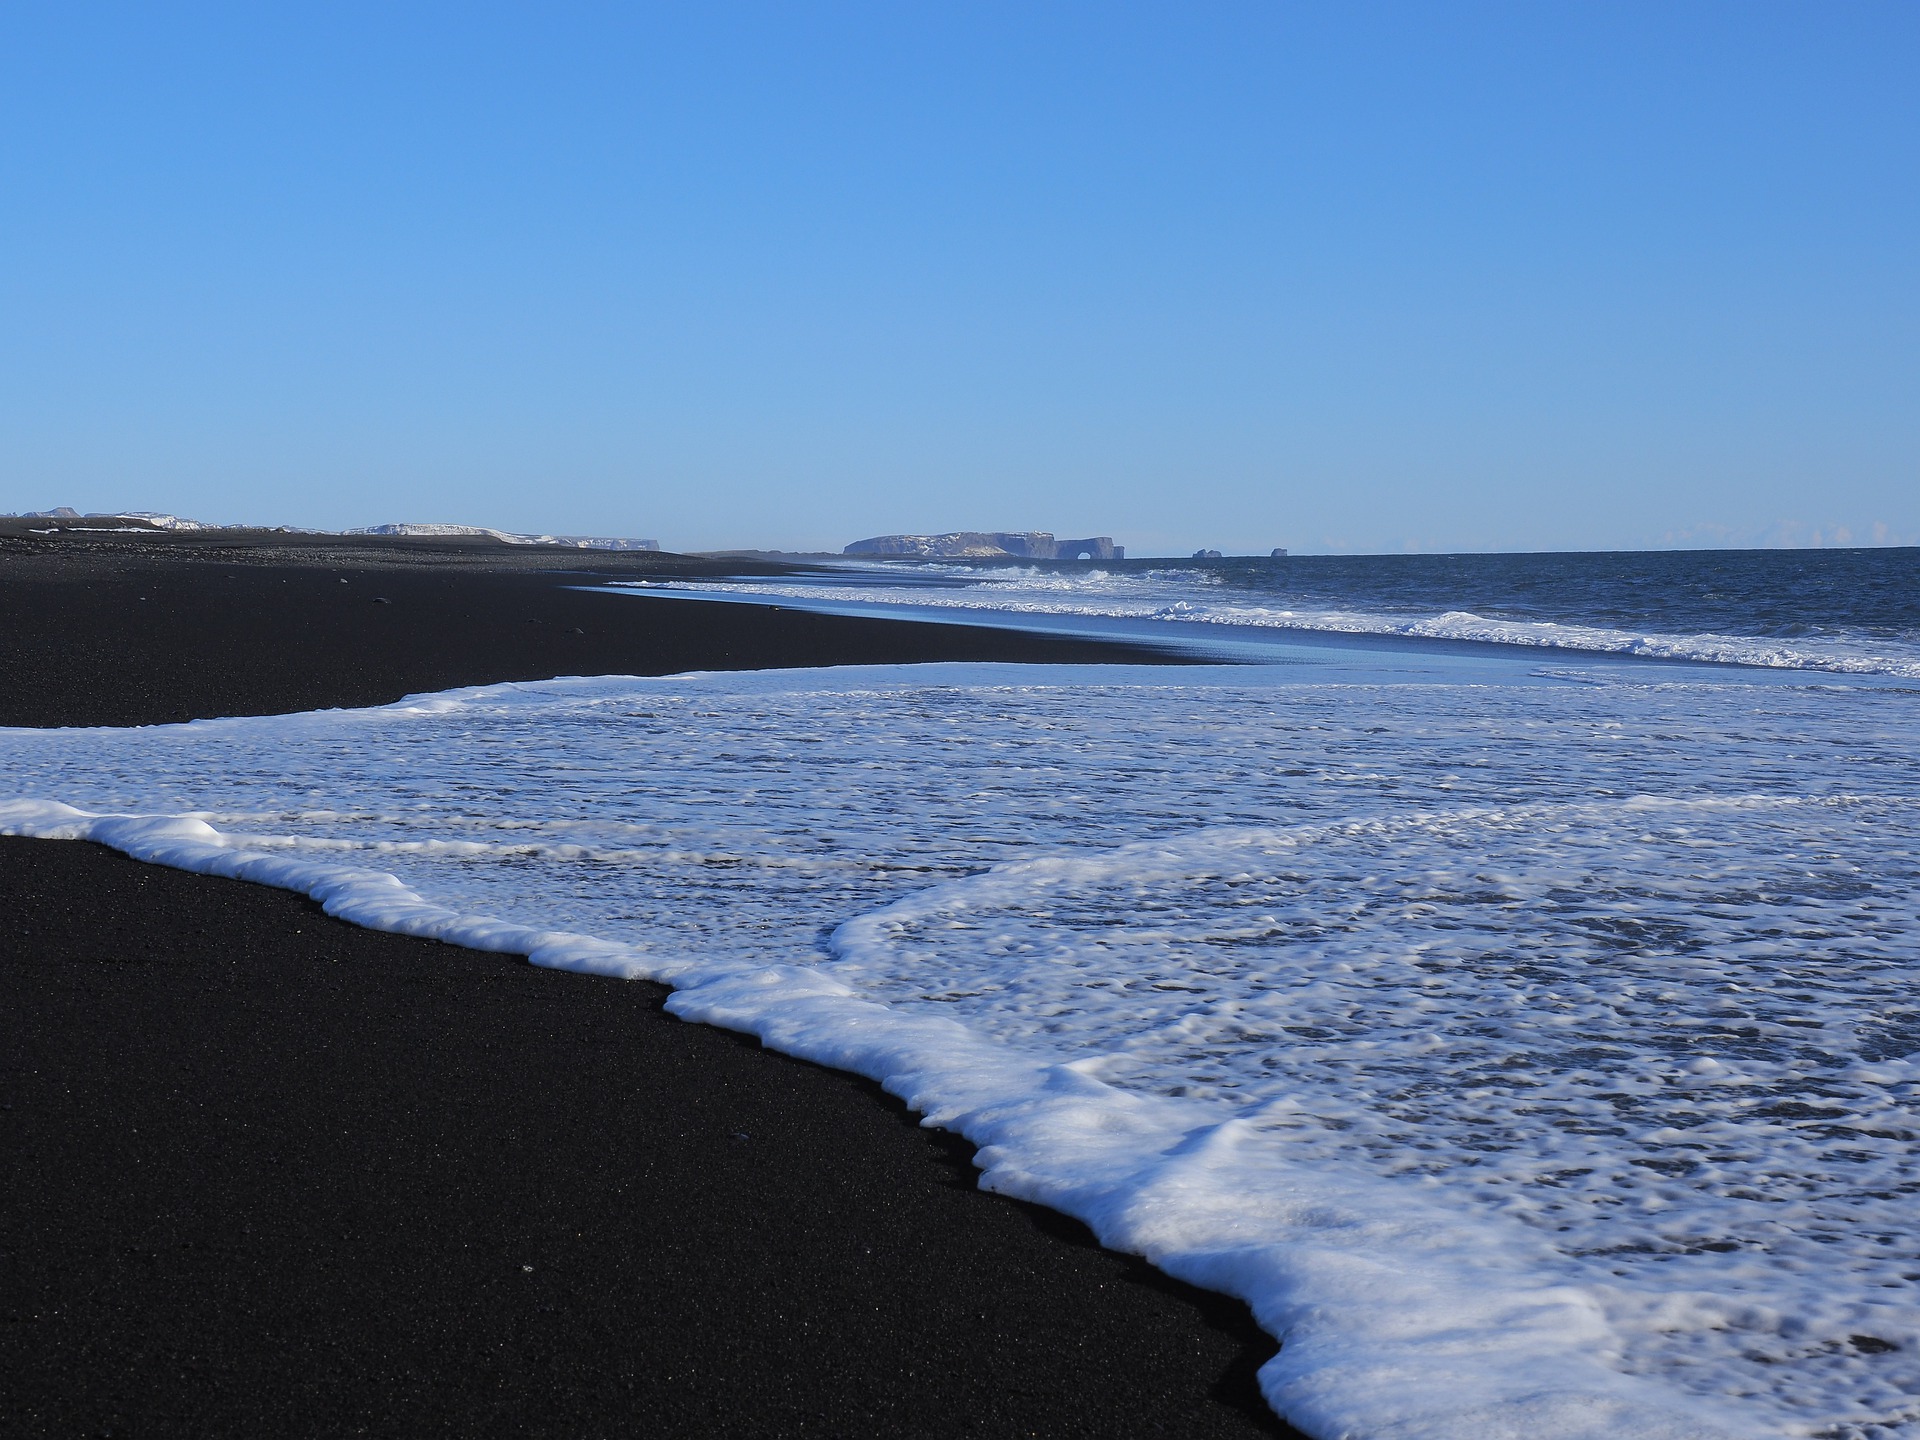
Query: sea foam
[(1534, 1058), (1197, 602)]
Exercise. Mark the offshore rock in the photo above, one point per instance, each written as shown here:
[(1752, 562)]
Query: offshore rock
[(988, 545)]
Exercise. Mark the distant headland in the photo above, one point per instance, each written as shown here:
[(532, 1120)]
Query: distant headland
[(65, 518), (989, 545)]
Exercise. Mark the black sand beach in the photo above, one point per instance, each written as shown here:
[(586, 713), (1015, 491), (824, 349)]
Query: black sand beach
[(142, 630), (267, 1173)]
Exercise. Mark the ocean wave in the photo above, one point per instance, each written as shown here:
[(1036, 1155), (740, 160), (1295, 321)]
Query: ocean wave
[(1532, 1058), (1192, 597)]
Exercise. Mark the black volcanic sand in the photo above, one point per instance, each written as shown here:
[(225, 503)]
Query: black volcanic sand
[(133, 630), (268, 1173)]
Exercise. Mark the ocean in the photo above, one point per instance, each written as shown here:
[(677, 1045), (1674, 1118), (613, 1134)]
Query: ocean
[(1500, 973), (1846, 611)]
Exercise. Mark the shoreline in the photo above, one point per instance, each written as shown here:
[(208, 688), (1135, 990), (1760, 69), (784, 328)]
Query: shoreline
[(278, 1174), (142, 631)]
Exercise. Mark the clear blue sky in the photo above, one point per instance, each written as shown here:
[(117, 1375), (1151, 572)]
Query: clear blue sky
[(1340, 276)]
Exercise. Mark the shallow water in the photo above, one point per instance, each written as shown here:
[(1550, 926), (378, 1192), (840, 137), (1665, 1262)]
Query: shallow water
[(1535, 1049)]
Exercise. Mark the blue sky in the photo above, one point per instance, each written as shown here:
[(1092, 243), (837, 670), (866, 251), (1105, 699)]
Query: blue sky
[(1341, 276)]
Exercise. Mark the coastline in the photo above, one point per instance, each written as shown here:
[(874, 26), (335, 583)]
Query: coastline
[(144, 630), (275, 1173)]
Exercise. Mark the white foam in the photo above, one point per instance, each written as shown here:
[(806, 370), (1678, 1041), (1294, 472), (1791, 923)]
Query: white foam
[(1201, 598), (1534, 1059)]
